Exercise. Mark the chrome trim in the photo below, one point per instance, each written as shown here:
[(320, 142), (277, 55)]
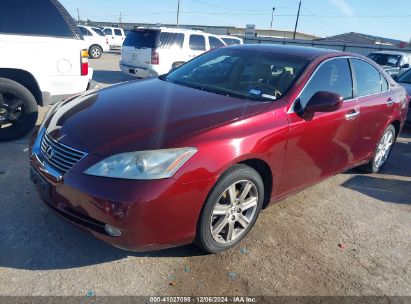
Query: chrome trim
[(59, 156), (291, 110)]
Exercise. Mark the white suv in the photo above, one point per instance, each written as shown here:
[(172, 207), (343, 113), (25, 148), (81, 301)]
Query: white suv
[(43, 60), (97, 42), (150, 52), (115, 36)]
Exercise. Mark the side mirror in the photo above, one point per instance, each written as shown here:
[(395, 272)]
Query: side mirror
[(321, 102), (405, 66), (395, 77)]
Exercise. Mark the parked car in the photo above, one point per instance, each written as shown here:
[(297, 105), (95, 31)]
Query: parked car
[(395, 63), (405, 81), (150, 52), (96, 40), (115, 36), (231, 40), (196, 154), (43, 60)]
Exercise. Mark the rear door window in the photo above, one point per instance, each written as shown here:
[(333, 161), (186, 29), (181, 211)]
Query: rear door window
[(333, 76), (85, 31), (384, 84), (368, 78), (98, 31), (197, 43), (215, 43), (108, 32), (24, 17), (118, 33), (171, 40), (142, 38)]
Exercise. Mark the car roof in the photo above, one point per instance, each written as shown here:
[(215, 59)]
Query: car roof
[(298, 51), (172, 30), (229, 37)]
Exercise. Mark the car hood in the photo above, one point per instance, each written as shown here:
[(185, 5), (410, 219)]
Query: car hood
[(142, 115)]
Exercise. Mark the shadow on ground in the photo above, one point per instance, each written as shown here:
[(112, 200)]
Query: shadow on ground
[(110, 77)]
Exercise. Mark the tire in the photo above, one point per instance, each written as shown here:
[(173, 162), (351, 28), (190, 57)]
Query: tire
[(216, 222), (18, 110), (376, 163), (95, 52)]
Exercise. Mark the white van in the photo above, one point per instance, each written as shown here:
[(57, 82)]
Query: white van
[(115, 36), (150, 52)]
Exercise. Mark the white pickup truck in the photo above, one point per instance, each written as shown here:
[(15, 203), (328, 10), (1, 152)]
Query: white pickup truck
[(43, 60)]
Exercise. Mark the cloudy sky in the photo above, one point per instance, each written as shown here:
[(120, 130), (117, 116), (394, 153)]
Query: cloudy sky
[(318, 17)]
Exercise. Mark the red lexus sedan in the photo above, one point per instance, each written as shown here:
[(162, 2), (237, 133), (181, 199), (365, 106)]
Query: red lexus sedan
[(195, 155)]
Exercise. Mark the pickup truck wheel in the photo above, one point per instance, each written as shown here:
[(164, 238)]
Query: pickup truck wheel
[(95, 52), (18, 110)]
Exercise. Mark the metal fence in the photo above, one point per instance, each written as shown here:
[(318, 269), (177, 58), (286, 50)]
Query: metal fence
[(363, 49)]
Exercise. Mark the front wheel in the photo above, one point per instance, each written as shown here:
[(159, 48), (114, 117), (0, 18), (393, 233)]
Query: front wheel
[(231, 209), (18, 110), (382, 152)]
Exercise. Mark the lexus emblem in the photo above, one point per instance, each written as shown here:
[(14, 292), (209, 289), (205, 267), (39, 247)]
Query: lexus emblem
[(49, 152)]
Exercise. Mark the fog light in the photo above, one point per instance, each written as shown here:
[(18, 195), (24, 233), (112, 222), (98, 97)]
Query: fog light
[(112, 230)]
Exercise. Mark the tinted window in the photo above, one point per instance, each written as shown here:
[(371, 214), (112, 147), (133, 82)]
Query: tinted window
[(197, 43), (386, 59), (98, 31), (171, 40), (368, 78), (333, 76), (118, 33), (215, 43), (231, 41), (142, 38), (240, 73), (405, 78), (85, 31), (39, 17), (107, 32)]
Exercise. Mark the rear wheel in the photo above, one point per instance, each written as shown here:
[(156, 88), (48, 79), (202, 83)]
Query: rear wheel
[(95, 52), (18, 110), (231, 209), (382, 152)]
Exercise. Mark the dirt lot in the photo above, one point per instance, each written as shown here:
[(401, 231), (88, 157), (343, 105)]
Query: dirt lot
[(294, 249)]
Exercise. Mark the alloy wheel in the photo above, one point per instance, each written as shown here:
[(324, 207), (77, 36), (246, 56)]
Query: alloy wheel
[(384, 148), (12, 110), (234, 211)]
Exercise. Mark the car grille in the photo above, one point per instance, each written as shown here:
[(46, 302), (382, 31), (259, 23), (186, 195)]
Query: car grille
[(60, 156)]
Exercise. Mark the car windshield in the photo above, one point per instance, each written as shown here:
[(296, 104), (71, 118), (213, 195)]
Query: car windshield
[(405, 78), (98, 31), (386, 59), (240, 73)]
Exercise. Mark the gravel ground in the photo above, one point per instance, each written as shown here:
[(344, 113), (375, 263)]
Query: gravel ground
[(349, 235)]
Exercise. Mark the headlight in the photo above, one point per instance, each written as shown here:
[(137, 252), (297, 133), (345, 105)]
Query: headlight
[(144, 165)]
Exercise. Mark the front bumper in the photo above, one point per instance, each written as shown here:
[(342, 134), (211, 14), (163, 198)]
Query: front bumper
[(150, 214)]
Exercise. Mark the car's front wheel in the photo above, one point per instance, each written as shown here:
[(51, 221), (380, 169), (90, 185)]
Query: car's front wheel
[(231, 209), (18, 110), (382, 151)]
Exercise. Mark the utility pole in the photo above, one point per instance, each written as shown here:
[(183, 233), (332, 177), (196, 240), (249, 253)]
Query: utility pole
[(120, 20), (178, 13), (78, 15), (272, 18), (296, 22)]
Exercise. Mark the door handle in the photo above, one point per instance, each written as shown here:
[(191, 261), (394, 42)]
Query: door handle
[(352, 115), (390, 102)]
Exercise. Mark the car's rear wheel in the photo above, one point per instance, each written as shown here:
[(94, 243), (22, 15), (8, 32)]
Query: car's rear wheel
[(18, 110), (95, 52), (231, 209), (382, 151)]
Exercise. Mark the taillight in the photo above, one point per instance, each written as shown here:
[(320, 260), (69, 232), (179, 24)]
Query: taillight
[(155, 57), (84, 62)]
